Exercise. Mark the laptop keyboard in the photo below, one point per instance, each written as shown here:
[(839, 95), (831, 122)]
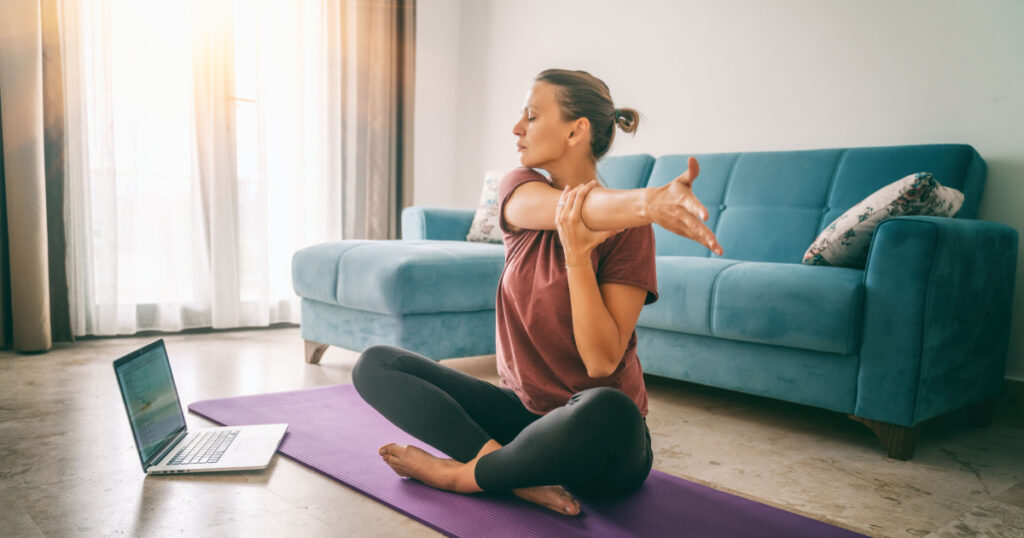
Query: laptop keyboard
[(205, 447)]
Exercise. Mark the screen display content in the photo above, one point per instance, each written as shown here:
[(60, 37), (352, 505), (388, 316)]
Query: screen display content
[(151, 399)]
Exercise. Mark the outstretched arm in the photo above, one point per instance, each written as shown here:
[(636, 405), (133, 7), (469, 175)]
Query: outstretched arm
[(532, 206), (672, 206)]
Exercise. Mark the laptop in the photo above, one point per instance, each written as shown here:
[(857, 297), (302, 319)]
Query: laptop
[(164, 443)]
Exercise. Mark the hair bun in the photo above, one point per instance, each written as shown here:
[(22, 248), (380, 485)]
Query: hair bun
[(627, 119)]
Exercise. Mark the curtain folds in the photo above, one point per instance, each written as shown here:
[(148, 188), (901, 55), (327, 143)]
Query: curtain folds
[(213, 87), (381, 151), (207, 141), (33, 283)]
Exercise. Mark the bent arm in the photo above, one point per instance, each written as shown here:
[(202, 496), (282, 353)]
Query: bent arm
[(603, 319), (532, 206)]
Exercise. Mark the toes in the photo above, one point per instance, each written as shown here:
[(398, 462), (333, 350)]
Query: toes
[(390, 448)]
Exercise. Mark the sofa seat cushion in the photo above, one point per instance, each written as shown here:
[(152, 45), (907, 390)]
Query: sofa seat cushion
[(400, 277), (783, 304)]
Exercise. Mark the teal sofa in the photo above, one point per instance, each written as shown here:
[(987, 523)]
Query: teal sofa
[(922, 330)]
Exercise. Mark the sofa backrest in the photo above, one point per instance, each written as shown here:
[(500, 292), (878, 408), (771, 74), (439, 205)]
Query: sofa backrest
[(770, 206), (625, 171)]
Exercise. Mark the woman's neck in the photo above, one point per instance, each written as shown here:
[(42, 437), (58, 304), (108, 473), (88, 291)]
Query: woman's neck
[(572, 173)]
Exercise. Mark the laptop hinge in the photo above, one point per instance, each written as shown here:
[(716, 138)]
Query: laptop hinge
[(167, 448)]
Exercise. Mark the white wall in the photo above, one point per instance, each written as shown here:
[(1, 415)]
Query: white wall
[(437, 69), (738, 75)]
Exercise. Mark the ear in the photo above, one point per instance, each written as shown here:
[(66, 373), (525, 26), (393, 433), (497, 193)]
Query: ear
[(580, 128)]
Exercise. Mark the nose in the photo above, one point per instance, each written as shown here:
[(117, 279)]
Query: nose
[(518, 128)]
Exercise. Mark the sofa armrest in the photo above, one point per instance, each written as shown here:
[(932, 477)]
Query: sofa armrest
[(938, 297), (422, 222)]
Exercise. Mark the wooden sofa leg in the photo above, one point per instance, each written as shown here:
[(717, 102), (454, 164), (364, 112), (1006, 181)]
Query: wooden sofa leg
[(314, 351), (899, 441)]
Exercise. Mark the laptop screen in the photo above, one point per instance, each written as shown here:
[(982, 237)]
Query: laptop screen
[(150, 398)]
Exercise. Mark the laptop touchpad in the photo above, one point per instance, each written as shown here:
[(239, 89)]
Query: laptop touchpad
[(255, 446)]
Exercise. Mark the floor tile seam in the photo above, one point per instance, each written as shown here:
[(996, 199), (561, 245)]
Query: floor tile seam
[(351, 489), (20, 506), (969, 512), (263, 515), (294, 503), (1002, 495)]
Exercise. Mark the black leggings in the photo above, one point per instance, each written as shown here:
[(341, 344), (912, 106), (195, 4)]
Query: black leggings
[(596, 445)]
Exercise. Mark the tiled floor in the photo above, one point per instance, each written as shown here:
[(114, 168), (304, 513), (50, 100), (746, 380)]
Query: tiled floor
[(68, 466)]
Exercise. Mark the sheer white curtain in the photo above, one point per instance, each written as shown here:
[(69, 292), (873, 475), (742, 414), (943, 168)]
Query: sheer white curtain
[(204, 149)]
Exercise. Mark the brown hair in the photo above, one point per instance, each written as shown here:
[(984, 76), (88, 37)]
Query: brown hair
[(582, 95)]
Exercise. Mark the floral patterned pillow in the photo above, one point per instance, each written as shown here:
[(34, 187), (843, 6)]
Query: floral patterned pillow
[(845, 242), (485, 228)]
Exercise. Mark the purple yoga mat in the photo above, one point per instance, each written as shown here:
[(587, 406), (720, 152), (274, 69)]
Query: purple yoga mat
[(332, 430)]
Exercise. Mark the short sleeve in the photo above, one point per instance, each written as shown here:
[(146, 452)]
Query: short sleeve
[(628, 258), (509, 184)]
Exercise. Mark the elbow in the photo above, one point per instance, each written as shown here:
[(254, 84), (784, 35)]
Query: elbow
[(607, 367), (602, 371)]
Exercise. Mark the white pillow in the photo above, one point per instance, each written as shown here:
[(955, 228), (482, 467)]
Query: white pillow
[(485, 227), (845, 242)]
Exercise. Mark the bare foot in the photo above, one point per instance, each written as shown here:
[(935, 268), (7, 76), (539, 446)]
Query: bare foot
[(553, 497), (414, 462)]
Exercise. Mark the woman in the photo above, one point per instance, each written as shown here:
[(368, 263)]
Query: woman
[(579, 266)]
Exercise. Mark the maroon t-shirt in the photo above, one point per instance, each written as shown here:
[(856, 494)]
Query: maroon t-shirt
[(537, 355)]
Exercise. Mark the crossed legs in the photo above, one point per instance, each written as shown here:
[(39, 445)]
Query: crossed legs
[(597, 444)]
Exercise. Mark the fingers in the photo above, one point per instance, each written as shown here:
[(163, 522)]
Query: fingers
[(704, 236), (581, 193), (697, 208), (570, 204), (691, 173), (573, 199), (680, 220), (560, 208), (690, 200), (575, 204), (566, 211)]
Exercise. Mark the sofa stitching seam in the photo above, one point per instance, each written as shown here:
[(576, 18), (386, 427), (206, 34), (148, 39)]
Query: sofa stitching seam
[(337, 271), (924, 313), (975, 159), (854, 324), (714, 297), (831, 188), (648, 169), (725, 193)]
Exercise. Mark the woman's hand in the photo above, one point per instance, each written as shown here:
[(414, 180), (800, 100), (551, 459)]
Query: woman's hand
[(577, 239), (674, 207)]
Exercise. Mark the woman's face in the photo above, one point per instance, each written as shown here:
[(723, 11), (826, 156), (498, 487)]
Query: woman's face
[(542, 136)]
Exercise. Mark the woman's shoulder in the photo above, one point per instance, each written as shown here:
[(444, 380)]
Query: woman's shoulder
[(516, 177), (524, 173)]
